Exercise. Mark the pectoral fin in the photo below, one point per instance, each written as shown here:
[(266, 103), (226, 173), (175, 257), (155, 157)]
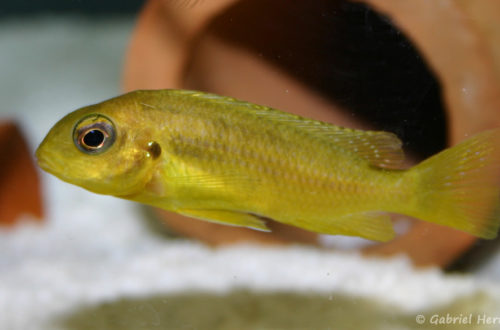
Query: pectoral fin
[(227, 217)]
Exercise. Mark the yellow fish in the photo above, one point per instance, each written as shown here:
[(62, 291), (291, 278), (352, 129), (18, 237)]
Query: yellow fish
[(223, 160)]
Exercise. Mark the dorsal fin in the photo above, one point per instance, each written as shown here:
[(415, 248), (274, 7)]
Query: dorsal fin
[(379, 148)]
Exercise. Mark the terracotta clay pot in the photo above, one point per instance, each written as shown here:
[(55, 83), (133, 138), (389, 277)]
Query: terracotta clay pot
[(174, 47), (19, 183)]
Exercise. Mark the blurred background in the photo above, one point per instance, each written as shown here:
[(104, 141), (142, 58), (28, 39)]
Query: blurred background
[(88, 9), (71, 259)]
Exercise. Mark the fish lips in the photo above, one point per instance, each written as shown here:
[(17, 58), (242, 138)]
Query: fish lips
[(45, 163), (49, 162)]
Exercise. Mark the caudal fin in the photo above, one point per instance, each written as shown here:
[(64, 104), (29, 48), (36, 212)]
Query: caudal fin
[(460, 187)]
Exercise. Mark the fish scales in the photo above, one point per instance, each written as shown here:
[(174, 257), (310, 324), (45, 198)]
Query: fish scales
[(219, 159), (277, 158)]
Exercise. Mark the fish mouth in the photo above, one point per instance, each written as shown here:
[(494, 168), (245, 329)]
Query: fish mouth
[(49, 164), (43, 161)]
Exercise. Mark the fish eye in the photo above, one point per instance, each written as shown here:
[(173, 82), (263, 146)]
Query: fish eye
[(94, 134)]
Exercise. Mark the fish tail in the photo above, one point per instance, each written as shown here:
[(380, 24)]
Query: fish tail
[(460, 186)]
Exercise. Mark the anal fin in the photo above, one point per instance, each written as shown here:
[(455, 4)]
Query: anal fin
[(226, 217), (375, 226)]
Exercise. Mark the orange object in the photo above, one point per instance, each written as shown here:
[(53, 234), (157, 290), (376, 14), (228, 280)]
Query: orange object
[(19, 183)]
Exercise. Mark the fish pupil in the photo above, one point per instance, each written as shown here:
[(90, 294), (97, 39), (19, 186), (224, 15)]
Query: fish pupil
[(93, 138)]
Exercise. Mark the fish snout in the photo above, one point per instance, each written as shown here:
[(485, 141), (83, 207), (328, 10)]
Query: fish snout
[(44, 161)]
